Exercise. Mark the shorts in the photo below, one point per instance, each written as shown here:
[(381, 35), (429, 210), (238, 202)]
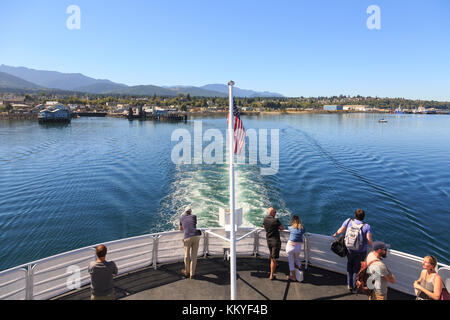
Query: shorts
[(377, 296), (274, 248)]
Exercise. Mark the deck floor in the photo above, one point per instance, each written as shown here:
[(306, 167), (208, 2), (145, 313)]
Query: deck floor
[(213, 283)]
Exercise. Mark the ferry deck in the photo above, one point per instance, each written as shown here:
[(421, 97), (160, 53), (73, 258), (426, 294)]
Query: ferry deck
[(149, 269)]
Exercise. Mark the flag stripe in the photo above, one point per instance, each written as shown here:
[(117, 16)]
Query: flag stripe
[(238, 130)]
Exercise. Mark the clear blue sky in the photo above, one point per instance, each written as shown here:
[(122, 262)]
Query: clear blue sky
[(297, 48)]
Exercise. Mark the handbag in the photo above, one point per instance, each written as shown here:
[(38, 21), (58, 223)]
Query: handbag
[(298, 275), (444, 294), (338, 245)]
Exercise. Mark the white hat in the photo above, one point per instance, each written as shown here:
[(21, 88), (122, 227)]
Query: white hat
[(188, 208)]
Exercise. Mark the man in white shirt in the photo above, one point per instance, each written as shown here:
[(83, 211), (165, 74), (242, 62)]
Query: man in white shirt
[(379, 274)]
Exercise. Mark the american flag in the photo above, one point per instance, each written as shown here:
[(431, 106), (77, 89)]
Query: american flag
[(239, 131)]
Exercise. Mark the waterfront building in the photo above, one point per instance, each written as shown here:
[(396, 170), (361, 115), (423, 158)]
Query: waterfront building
[(21, 108), (333, 107), (157, 111), (38, 108), (9, 99), (52, 103), (356, 107), (55, 113)]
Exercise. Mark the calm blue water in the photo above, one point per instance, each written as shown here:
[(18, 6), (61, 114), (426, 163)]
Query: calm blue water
[(101, 179)]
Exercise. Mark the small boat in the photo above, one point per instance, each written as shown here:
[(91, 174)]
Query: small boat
[(382, 120)]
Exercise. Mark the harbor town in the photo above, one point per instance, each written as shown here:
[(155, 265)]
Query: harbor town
[(64, 107)]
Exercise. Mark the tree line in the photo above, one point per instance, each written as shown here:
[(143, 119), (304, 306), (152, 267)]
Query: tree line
[(184, 102)]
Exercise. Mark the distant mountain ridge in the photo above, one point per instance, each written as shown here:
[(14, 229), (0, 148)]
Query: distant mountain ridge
[(41, 79), (237, 92), (196, 91), (55, 79), (9, 81)]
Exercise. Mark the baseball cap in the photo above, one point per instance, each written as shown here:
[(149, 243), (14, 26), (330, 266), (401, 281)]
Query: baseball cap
[(188, 208), (380, 245)]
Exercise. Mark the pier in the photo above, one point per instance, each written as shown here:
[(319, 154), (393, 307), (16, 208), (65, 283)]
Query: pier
[(156, 116), (164, 117), (90, 114)]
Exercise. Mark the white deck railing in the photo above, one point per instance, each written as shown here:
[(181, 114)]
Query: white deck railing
[(53, 276)]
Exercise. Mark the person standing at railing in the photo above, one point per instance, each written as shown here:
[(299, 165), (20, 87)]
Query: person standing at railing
[(273, 226), (429, 285), (359, 234), (294, 246), (379, 274), (191, 240), (102, 272)]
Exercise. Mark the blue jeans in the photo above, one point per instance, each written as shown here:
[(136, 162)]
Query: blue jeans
[(353, 265)]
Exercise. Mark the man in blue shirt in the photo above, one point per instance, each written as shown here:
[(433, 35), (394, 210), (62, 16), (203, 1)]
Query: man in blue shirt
[(354, 257), (191, 240)]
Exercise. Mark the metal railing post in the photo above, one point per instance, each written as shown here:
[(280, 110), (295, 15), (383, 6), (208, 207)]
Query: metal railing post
[(155, 250), (205, 244), (29, 283), (306, 250), (256, 243)]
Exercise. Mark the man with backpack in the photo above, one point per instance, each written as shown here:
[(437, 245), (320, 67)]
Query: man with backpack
[(358, 235), (379, 274)]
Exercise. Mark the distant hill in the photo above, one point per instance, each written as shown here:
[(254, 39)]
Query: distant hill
[(237, 92), (26, 78), (54, 79), (102, 87), (197, 92), (12, 82), (147, 90), (150, 90)]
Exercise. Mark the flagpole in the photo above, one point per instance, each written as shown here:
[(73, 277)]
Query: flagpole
[(232, 209)]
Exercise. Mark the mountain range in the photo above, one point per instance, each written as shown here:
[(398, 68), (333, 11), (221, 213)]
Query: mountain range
[(30, 79)]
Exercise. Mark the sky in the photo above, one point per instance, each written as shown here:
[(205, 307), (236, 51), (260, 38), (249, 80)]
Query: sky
[(296, 48)]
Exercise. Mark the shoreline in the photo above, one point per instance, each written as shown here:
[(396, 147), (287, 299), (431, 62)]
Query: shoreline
[(225, 113), (256, 113)]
